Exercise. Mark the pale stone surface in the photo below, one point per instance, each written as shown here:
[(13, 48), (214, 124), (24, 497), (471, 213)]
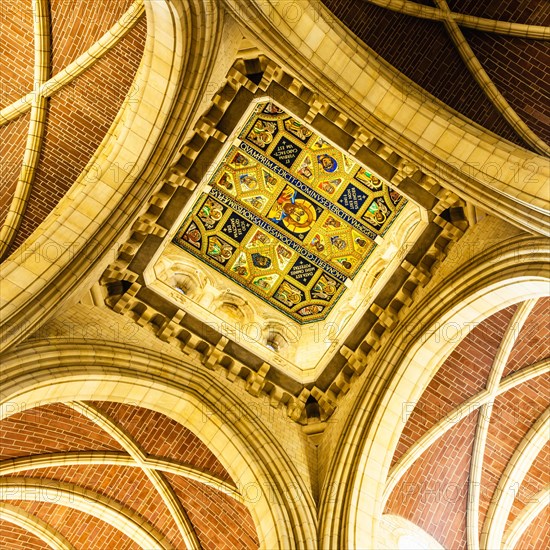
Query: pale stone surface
[(339, 476)]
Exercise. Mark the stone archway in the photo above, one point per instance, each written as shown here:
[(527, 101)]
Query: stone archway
[(282, 508), (352, 503), (108, 195)]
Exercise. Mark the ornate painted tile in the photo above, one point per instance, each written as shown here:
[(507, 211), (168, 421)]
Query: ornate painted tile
[(288, 216)]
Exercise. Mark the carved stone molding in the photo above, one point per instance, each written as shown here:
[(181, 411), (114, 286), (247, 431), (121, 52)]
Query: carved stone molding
[(131, 294)]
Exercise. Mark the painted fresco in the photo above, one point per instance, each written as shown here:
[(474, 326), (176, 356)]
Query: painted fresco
[(289, 216)]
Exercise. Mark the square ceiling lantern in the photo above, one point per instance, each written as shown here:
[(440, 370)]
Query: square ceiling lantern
[(288, 216)]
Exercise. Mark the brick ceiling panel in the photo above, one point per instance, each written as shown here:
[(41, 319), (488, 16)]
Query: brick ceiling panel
[(520, 69), (433, 493), (52, 428), (79, 117), (422, 50), (537, 535), (78, 25), (532, 12), (219, 521), (513, 413), (533, 343), (16, 50), (82, 530), (127, 485), (163, 437), (536, 479), (463, 374), (13, 138), (13, 537)]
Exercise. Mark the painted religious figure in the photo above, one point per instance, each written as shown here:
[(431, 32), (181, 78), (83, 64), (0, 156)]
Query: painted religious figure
[(259, 239), (266, 282), (219, 250), (257, 202), (272, 109), (248, 182), (226, 182), (345, 263), (368, 179), (283, 255), (330, 186), (338, 243), (377, 213), (261, 261), (297, 214), (239, 161), (269, 182), (317, 243), (324, 289), (288, 294), (193, 235), (332, 223), (395, 197), (312, 309), (241, 266), (298, 129), (305, 168), (328, 163)]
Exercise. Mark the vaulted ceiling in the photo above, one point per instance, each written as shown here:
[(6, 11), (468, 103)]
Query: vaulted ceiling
[(460, 451), (487, 60), (100, 474), (104, 474), (90, 472), (107, 39)]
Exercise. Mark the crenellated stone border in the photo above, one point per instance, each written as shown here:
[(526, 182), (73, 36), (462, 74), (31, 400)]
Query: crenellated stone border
[(248, 79)]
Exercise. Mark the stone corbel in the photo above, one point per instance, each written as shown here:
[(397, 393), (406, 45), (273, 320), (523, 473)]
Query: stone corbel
[(214, 355), (255, 381)]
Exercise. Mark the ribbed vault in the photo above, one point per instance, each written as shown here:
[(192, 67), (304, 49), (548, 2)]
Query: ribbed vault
[(85, 472), (85, 57), (114, 437), (486, 60), (467, 466)]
